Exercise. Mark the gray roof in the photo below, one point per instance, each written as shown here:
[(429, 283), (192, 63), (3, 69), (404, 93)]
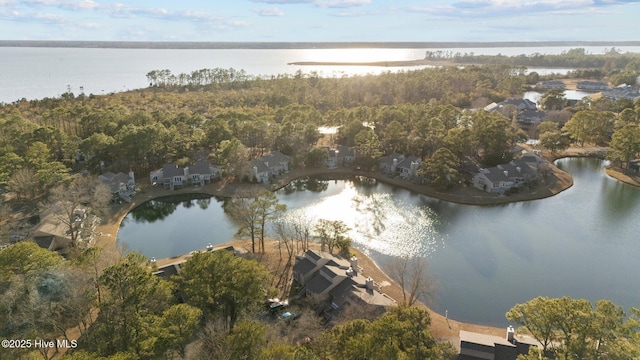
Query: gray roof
[(345, 151), (494, 174), (303, 266), (259, 165), (406, 163), (526, 103), (201, 167), (312, 254), (318, 284), (275, 157), (171, 170), (483, 339), (114, 180), (388, 160)]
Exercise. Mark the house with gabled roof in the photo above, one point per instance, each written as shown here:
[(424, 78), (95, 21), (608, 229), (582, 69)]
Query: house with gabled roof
[(550, 84), (530, 117), (265, 167), (329, 277), (202, 172), (122, 185), (408, 167), (389, 164), (476, 346), (340, 156), (503, 177), (171, 176)]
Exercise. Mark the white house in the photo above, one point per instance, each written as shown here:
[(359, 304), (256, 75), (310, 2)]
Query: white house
[(504, 176), (122, 185), (202, 172), (170, 176), (264, 168), (408, 168)]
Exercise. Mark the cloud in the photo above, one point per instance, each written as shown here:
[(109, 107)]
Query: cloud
[(284, 1), (320, 3), (269, 11), (63, 4), (342, 3), (501, 8)]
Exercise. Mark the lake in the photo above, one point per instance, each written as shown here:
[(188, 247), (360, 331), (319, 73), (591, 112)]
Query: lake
[(35, 73), (483, 259)]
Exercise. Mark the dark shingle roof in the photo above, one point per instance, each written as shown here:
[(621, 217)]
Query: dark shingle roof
[(200, 167), (318, 284), (171, 170), (303, 266)]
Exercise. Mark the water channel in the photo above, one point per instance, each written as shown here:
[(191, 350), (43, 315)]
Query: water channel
[(582, 243)]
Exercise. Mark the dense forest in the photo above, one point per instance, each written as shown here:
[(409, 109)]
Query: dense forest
[(435, 114)]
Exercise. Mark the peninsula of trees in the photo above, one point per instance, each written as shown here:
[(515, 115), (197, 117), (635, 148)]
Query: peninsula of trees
[(436, 114)]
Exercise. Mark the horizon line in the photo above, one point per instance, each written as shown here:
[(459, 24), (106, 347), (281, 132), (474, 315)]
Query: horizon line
[(299, 44)]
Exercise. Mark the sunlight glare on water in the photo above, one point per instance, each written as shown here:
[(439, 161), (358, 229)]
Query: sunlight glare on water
[(380, 223)]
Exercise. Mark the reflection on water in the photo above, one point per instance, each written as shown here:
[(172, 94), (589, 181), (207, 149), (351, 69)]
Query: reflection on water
[(485, 259), (378, 220)]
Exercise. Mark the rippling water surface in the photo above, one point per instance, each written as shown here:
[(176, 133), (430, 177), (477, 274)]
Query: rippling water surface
[(482, 260)]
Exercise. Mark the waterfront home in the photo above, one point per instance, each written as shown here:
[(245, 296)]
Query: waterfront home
[(530, 116), (328, 277), (550, 85), (622, 92), (503, 177), (481, 346), (389, 164), (268, 166), (202, 172), (408, 167), (340, 156), (122, 185), (171, 176), (592, 85), (54, 233)]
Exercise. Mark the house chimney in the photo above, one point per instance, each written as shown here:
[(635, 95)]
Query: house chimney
[(354, 263), (518, 168), (369, 283), (266, 163), (506, 173), (255, 171), (511, 334)]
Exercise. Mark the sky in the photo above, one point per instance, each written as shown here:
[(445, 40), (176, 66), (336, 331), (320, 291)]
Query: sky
[(320, 20)]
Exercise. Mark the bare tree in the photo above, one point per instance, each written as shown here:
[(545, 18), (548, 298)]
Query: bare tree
[(303, 227), (411, 274), (78, 206)]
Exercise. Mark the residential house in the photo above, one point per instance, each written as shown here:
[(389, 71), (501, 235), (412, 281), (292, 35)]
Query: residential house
[(340, 156), (475, 346), (408, 167), (520, 104), (202, 172), (550, 85), (329, 277), (170, 176), (592, 85), (503, 177), (54, 234), (622, 92), (122, 185), (264, 168), (530, 117), (389, 164)]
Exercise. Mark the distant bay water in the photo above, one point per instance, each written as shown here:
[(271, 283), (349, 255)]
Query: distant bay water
[(39, 72)]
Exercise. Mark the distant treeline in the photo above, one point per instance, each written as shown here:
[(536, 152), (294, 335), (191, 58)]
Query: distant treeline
[(302, 45), (612, 59)]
